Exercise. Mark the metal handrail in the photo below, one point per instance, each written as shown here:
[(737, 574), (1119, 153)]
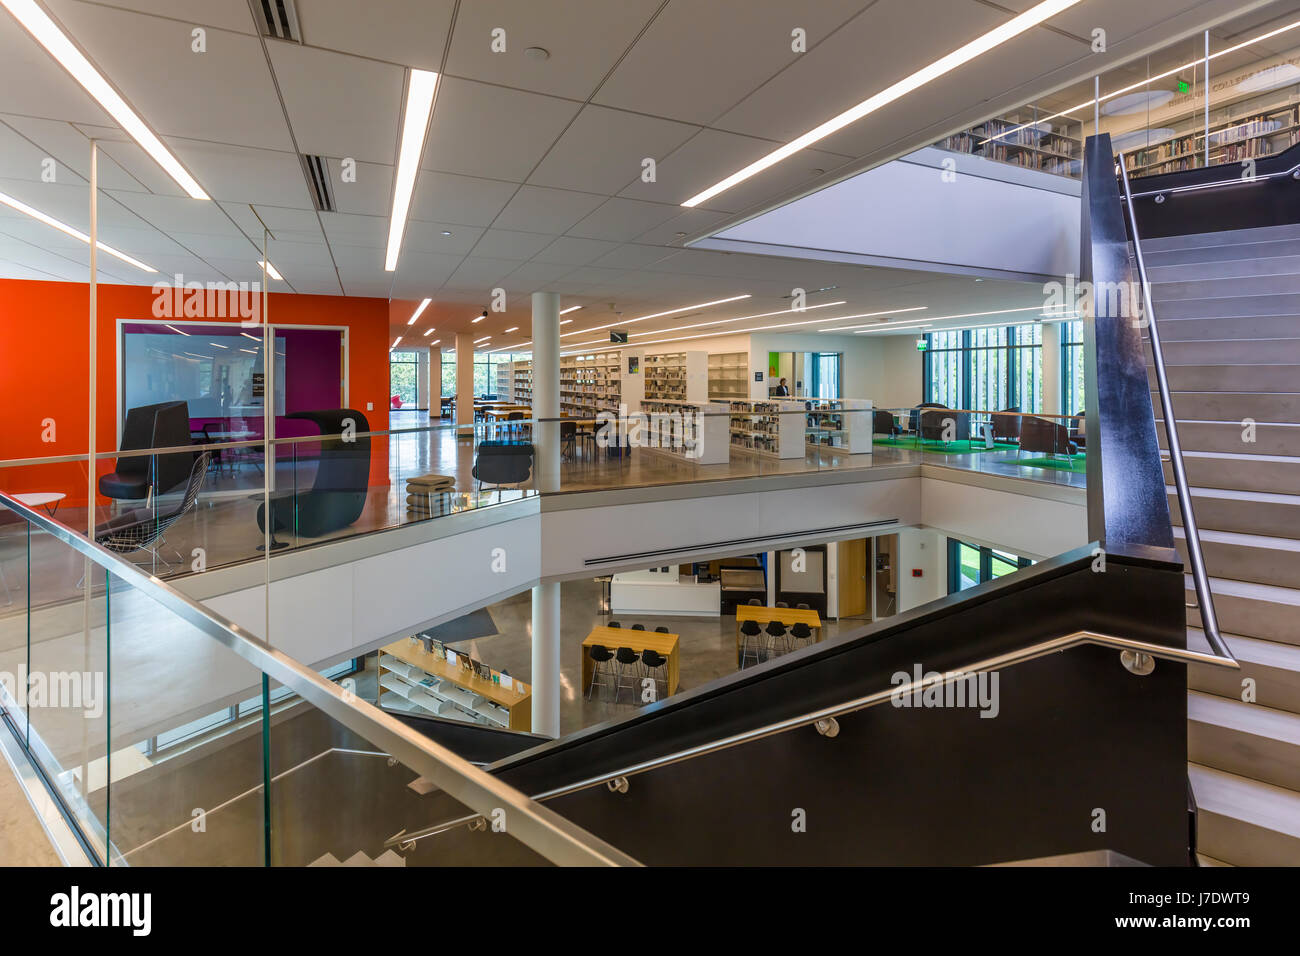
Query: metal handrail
[(1191, 533), (1294, 172), (544, 831), (1009, 659)]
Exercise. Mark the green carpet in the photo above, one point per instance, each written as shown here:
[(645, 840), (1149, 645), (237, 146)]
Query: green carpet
[(942, 448), (1076, 463)]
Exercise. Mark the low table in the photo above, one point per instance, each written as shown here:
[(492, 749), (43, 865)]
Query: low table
[(42, 499)]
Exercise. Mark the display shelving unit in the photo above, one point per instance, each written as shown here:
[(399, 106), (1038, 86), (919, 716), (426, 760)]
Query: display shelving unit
[(521, 391), (505, 384), (728, 375), (842, 424), (691, 431), (677, 376), (590, 384), (412, 680), (774, 428)]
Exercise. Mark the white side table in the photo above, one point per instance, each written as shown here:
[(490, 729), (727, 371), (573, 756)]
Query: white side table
[(43, 499)]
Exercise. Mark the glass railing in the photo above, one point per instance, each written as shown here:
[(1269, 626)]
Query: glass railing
[(1221, 98), (103, 660)]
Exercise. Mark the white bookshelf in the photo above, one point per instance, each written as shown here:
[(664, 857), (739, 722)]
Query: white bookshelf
[(774, 429), (505, 383), (728, 375), (521, 389), (840, 424), (590, 384), (677, 376), (416, 682), (692, 431)]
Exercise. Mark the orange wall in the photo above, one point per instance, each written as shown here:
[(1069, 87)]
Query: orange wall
[(44, 371)]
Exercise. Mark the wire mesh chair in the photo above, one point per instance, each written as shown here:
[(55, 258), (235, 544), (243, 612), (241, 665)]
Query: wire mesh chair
[(142, 530)]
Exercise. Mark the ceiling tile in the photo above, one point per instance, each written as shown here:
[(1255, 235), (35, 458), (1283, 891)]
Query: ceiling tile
[(340, 105), (443, 197), (410, 32), (239, 174), (585, 38), (689, 222), (535, 209), (223, 14), (479, 274), (511, 129), (370, 194), (569, 250), (622, 219), (505, 244), (632, 256), (603, 150)]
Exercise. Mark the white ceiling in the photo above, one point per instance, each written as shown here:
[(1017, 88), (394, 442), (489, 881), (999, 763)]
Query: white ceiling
[(532, 166)]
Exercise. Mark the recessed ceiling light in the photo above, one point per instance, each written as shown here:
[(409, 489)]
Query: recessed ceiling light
[(418, 312), (514, 329), (658, 315), (572, 308), (395, 341), (566, 321), (819, 172), (979, 280), (415, 126), (67, 230), (38, 23), (964, 54), (428, 332), (537, 53), (446, 232), (271, 270)]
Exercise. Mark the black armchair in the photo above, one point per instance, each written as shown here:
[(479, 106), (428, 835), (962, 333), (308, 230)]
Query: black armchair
[(1044, 436), (338, 494), (503, 463), (883, 423), (1006, 428), (164, 425), (934, 423)]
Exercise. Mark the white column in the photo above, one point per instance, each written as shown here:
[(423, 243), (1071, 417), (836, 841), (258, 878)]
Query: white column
[(422, 376), (546, 659), (435, 381), (546, 390), (1051, 368), (465, 382)]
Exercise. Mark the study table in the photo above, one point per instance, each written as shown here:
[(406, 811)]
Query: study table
[(665, 645)]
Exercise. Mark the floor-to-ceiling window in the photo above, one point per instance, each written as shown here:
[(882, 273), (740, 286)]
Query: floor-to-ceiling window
[(991, 368), (1072, 397), (404, 378), (824, 374), (972, 564)]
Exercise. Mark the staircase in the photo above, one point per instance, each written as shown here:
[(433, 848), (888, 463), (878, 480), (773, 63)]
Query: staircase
[(1228, 307), (387, 858)]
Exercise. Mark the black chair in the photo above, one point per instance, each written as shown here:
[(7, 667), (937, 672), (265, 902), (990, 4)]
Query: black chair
[(164, 425), (662, 630), (783, 604), (754, 602), (884, 423), (638, 627), (1006, 428), (935, 424), (652, 662), (338, 492), (141, 529), (626, 659), (512, 426), (803, 607), (600, 657), (614, 624), (776, 631), (751, 634), (1045, 436), (503, 464), (1077, 429), (801, 632), (568, 440)]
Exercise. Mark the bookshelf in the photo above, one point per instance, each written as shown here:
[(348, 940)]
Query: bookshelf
[(414, 681), (728, 375), (521, 390), (590, 384), (774, 429), (840, 424), (1049, 146), (677, 376), (505, 383), (692, 431), (1249, 126)]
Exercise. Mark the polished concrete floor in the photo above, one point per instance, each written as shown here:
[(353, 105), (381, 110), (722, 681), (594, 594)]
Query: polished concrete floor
[(22, 838), (707, 646)]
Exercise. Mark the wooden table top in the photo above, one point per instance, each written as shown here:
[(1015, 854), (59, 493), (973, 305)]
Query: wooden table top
[(786, 615), (613, 637), (498, 411), (410, 653)]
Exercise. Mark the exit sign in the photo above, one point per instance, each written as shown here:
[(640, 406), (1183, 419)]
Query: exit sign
[(1184, 86), (922, 345)]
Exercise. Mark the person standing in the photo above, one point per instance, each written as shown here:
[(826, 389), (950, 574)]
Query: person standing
[(782, 389)]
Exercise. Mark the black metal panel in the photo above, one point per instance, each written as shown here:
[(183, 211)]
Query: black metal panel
[(1265, 200), (1128, 508), (475, 743), (1076, 733)]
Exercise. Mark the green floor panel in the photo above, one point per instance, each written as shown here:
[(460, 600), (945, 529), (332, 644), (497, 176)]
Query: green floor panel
[(1075, 463), (942, 448)]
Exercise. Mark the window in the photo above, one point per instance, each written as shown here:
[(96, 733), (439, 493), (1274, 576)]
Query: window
[(1072, 397), (986, 369), (403, 377), (971, 564), (824, 374), (449, 374)]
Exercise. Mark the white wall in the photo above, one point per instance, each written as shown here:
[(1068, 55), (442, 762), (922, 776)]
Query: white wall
[(924, 550)]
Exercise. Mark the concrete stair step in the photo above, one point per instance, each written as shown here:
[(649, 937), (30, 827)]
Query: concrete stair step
[(1245, 822), (1246, 739), (1270, 377), (329, 859), (1265, 611), (390, 858), (1234, 406), (1229, 237), (1223, 287), (1273, 668), (1259, 559), (1223, 351), (1218, 252), (1203, 860), (1261, 438), (1229, 307), (1241, 327), (1247, 512), (1242, 268), (1266, 473)]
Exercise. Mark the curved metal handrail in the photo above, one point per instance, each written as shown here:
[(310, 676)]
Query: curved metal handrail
[(1191, 533), (1293, 172), (1050, 646)]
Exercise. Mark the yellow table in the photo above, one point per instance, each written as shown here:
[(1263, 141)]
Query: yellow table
[(664, 645), (789, 616)]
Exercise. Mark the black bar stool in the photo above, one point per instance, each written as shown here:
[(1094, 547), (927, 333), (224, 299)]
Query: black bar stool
[(626, 659), (600, 657), (653, 662), (751, 641)]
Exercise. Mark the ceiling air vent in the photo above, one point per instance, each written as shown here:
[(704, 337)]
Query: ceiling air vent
[(318, 182), (279, 19)]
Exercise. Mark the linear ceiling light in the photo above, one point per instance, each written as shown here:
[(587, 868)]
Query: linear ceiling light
[(434, 342), (247, 335), (657, 315), (415, 126), (47, 33), (219, 345), (572, 308), (977, 47), (395, 341), (67, 230), (271, 270), (486, 338), (1149, 80), (429, 332), (177, 331), (742, 318), (929, 318), (418, 312)]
